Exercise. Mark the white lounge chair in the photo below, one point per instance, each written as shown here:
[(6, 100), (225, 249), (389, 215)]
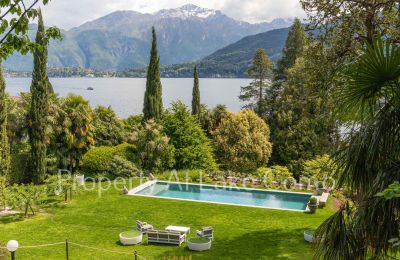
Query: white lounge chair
[(323, 199), (206, 232), (143, 226), (165, 237)]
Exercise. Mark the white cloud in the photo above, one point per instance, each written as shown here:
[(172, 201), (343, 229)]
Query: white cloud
[(69, 13)]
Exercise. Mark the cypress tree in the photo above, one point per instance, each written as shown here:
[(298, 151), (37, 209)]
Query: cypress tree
[(38, 108), (4, 145), (153, 106), (196, 93)]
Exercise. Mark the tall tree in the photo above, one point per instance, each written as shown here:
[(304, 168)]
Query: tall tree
[(241, 142), (368, 159), (72, 134), (257, 90), (294, 47), (4, 144), (153, 105), (347, 25), (38, 110), (303, 127), (196, 106), (193, 149)]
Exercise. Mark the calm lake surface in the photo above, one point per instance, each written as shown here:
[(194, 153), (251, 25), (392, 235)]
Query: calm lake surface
[(125, 95)]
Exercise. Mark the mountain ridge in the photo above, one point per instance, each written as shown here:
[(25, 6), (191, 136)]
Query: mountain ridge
[(121, 40), (232, 61)]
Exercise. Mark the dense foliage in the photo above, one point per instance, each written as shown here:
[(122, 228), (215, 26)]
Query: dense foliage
[(319, 168), (98, 159), (257, 90), (4, 144), (294, 46), (15, 19), (108, 129), (72, 132), (154, 147), (120, 167), (193, 149), (211, 118), (368, 159), (303, 128), (242, 141)]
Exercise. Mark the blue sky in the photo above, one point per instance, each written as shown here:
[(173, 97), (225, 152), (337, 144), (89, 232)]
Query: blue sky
[(70, 13)]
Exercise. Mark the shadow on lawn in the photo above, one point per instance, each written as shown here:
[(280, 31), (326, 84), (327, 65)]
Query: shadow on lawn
[(271, 244), (12, 218)]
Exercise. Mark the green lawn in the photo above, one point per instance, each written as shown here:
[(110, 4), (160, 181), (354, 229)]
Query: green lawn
[(240, 232)]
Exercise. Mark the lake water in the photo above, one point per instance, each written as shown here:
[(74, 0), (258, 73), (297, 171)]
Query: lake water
[(125, 95)]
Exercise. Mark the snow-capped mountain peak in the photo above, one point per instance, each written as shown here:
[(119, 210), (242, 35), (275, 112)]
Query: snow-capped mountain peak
[(187, 11)]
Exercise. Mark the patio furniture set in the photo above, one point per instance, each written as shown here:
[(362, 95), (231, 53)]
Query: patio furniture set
[(173, 235)]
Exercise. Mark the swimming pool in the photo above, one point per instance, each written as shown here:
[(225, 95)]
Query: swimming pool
[(224, 195)]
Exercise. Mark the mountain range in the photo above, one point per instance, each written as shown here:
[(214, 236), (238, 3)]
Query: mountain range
[(121, 40), (232, 61)]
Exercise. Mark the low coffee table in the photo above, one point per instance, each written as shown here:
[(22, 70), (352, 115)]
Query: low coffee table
[(184, 230)]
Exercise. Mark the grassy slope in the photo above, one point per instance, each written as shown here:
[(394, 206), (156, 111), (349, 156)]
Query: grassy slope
[(241, 232)]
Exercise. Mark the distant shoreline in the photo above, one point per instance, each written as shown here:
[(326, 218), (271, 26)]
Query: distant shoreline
[(27, 77)]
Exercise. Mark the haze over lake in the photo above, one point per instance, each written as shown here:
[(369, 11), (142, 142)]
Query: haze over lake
[(125, 95)]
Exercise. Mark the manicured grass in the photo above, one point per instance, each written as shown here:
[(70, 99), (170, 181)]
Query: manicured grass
[(240, 232)]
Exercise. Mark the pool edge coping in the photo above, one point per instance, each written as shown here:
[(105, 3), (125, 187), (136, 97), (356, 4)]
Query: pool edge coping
[(133, 192)]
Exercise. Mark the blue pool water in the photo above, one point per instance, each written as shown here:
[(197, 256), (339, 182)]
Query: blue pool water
[(245, 197)]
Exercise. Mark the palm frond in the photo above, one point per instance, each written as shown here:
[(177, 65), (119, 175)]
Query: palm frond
[(371, 81)]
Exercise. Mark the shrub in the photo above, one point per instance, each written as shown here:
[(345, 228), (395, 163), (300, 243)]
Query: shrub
[(313, 201), (281, 173), (127, 151), (265, 175), (155, 151), (19, 163), (121, 167), (242, 141), (290, 182), (107, 128), (132, 122), (305, 181), (3, 193), (320, 168), (98, 159), (192, 148)]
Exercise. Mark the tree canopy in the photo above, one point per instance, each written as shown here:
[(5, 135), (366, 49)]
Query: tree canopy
[(256, 92), (193, 149), (242, 141)]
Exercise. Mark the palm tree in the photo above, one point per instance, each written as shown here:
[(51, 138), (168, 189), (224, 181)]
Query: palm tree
[(368, 159), (72, 134)]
